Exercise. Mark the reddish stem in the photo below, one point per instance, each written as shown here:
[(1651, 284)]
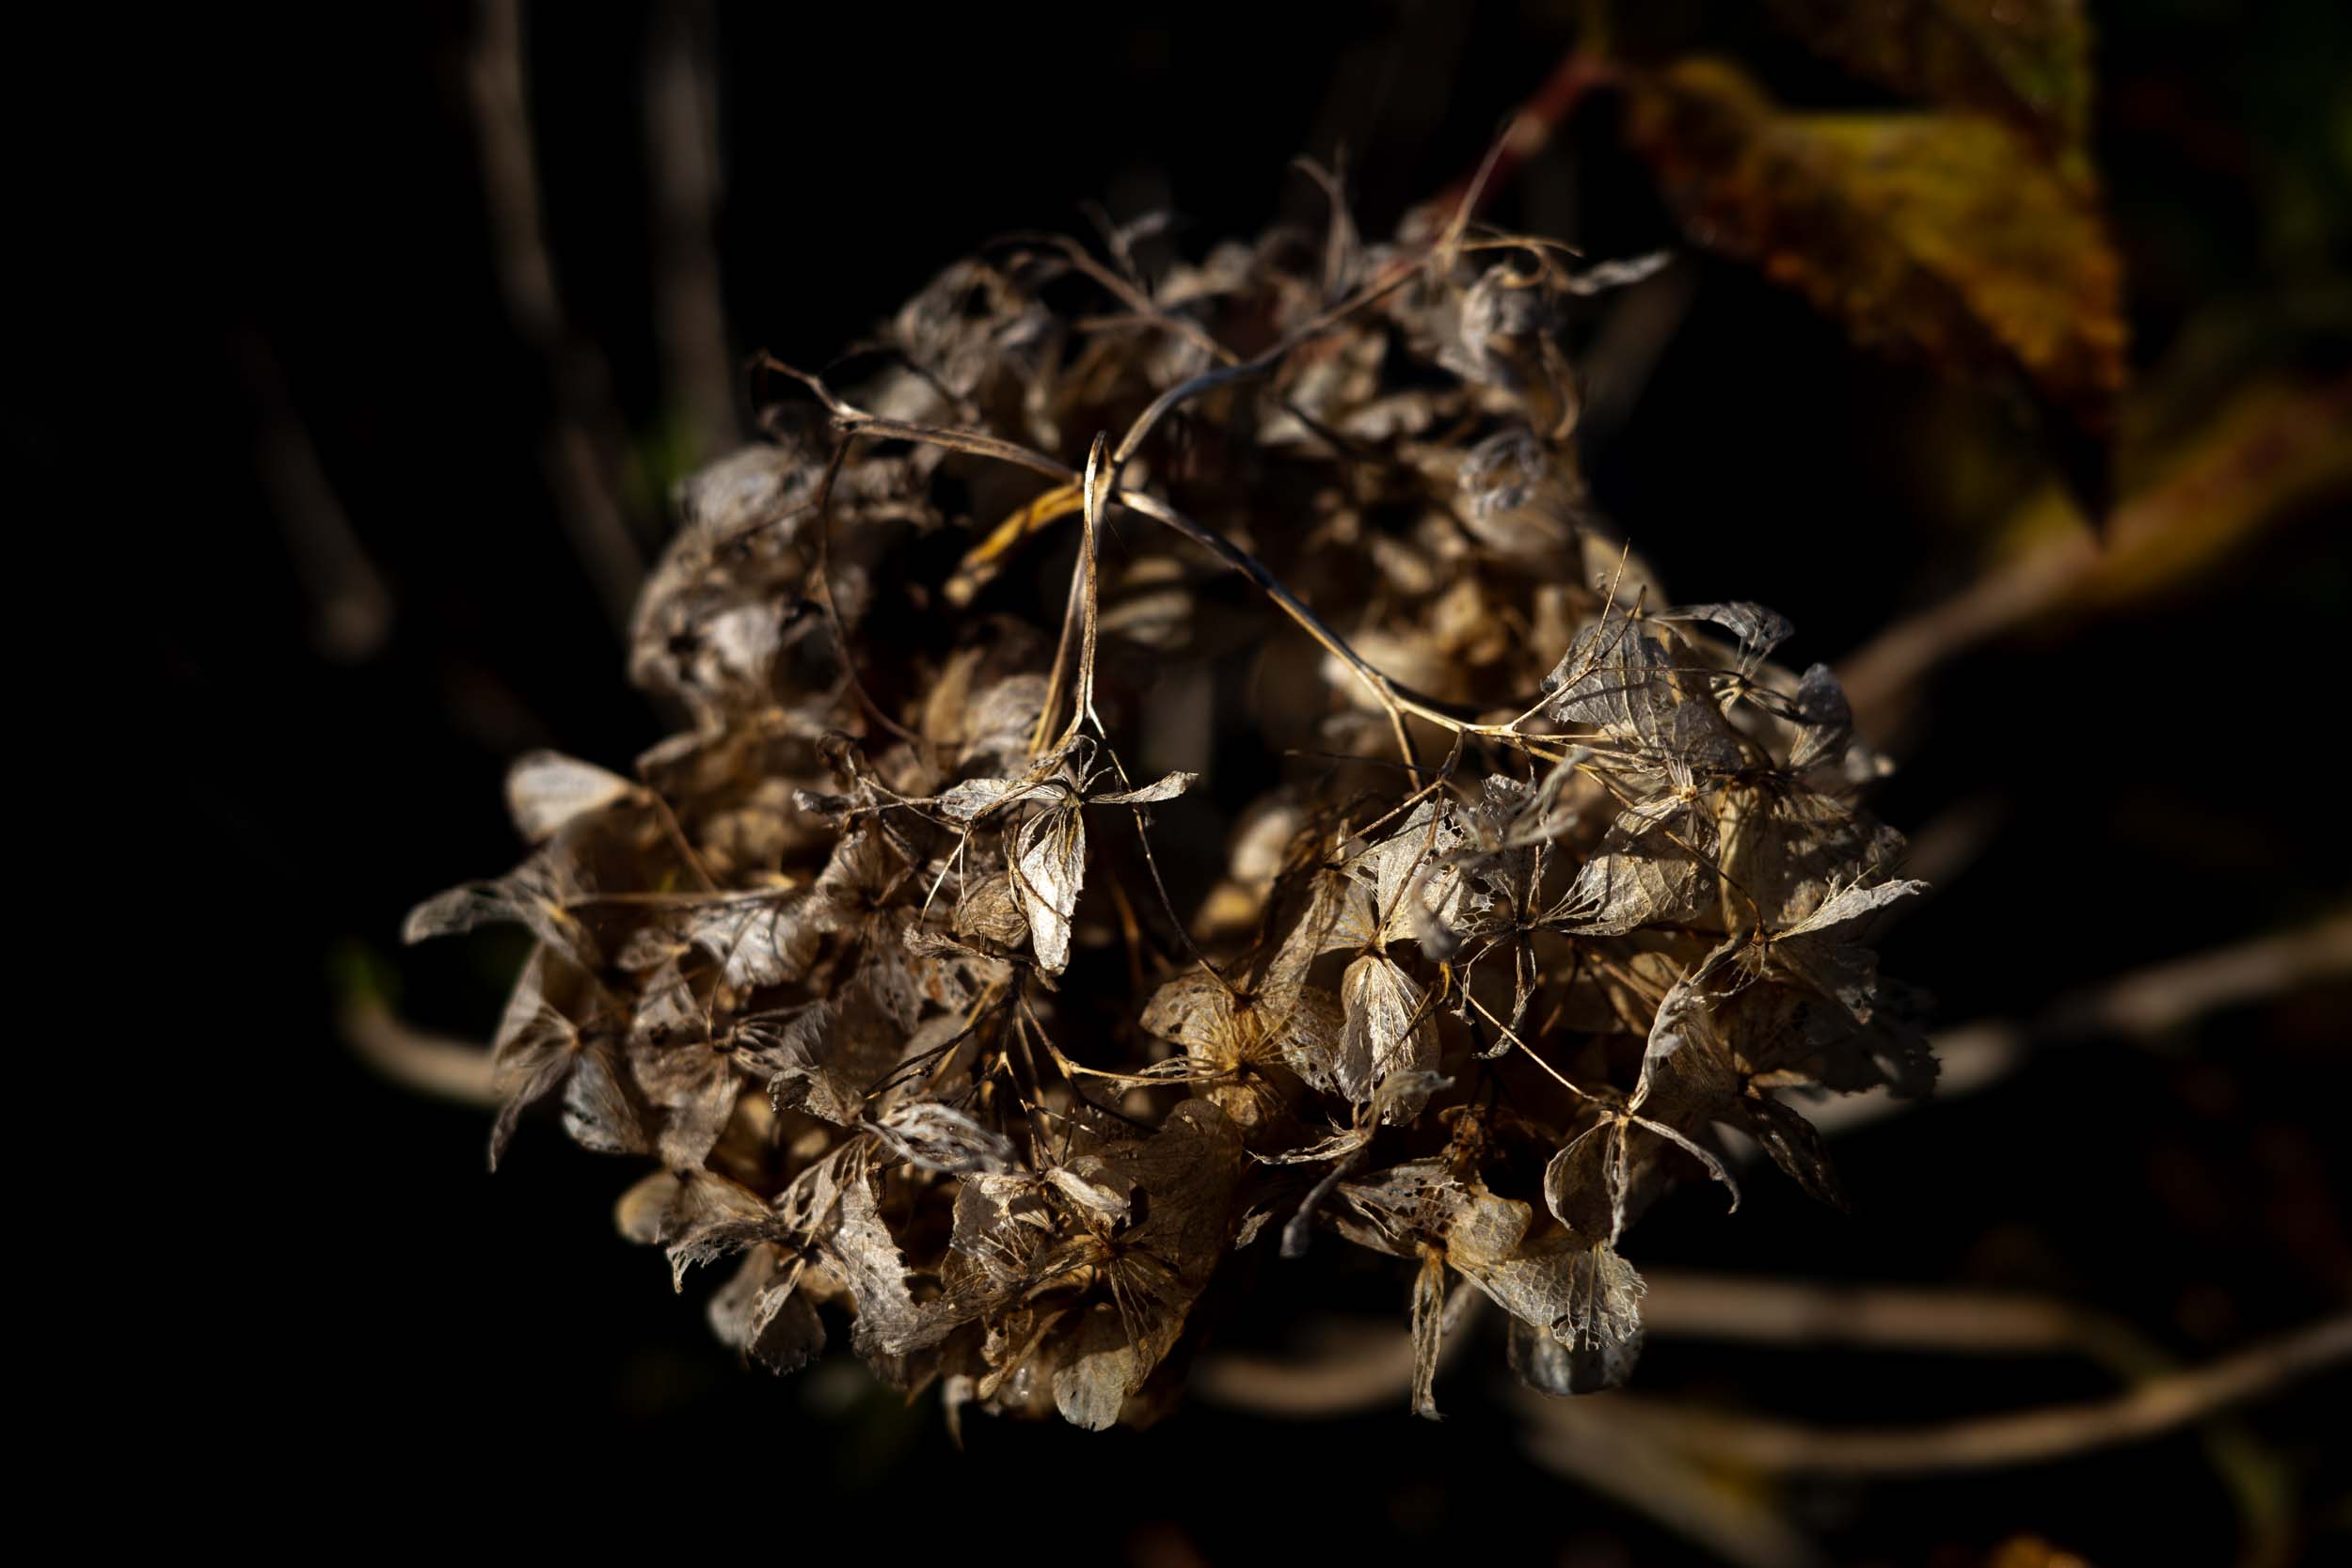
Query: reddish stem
[(1529, 129)]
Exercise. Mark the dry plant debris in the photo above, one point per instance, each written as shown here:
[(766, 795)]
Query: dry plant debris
[(1456, 926)]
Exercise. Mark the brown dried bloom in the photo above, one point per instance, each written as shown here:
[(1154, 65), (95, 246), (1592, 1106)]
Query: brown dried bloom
[(1029, 922)]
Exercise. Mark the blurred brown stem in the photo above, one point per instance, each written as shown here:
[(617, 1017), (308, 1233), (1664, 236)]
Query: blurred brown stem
[(2267, 450), (1527, 133), (2141, 1007), (1723, 1513), (2157, 1406), (585, 444), (439, 1065), (682, 141), (351, 606)]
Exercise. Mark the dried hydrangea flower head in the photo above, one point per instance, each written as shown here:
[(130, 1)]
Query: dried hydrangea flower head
[(1470, 891)]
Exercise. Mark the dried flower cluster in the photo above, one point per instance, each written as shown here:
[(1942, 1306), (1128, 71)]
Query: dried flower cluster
[(1456, 924)]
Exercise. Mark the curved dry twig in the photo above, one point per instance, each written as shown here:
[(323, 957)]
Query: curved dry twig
[(2273, 446), (441, 1066), (1733, 1520), (585, 439), (2157, 1406), (1357, 1368), (2141, 1005)]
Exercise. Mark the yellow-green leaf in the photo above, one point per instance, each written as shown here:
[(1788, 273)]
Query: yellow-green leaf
[(1943, 236), (2027, 62)]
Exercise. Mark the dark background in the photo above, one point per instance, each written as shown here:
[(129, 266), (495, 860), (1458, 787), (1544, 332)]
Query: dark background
[(457, 1346)]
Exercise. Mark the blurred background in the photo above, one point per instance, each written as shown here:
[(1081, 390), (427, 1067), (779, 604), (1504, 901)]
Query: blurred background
[(489, 278)]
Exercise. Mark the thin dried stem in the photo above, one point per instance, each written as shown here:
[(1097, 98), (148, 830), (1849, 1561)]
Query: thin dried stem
[(2272, 449), (584, 443), (2156, 1407), (441, 1066), (682, 146)]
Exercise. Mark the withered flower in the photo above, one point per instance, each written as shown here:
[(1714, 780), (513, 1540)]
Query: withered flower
[(1470, 890)]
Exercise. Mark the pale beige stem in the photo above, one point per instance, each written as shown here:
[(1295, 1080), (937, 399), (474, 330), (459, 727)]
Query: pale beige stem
[(2155, 1407)]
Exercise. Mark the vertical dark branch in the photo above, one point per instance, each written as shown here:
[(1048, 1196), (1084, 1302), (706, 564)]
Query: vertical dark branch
[(682, 147), (584, 443), (350, 607)]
